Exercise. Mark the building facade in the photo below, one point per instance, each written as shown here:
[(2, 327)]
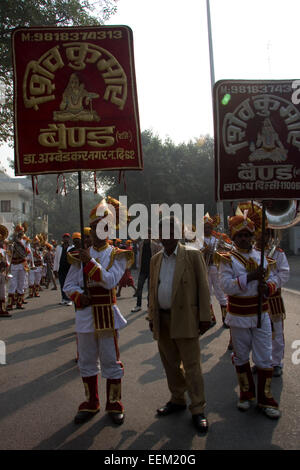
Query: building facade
[(16, 201)]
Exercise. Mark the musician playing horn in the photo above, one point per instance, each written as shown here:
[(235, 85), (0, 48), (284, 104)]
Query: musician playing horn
[(3, 271), (18, 267)]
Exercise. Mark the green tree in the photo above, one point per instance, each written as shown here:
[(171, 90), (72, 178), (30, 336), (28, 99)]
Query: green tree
[(182, 174), (17, 13), (172, 173), (58, 197)]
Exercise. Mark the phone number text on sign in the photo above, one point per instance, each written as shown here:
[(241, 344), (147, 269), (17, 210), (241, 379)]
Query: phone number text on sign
[(257, 134), (75, 91)]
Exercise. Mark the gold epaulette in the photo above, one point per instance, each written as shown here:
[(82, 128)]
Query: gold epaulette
[(221, 257), (119, 253), (73, 257), (271, 263)]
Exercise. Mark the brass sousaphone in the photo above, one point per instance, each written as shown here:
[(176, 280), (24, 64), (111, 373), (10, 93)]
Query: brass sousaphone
[(282, 214)]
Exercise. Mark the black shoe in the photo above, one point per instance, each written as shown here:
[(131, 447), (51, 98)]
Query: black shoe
[(200, 422), (84, 416), (117, 418), (170, 408)]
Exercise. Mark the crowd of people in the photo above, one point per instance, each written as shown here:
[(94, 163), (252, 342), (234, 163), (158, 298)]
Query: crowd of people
[(182, 277)]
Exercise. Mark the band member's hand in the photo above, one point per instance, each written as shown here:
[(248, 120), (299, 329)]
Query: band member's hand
[(84, 300), (84, 255), (256, 275), (203, 327), (263, 289)]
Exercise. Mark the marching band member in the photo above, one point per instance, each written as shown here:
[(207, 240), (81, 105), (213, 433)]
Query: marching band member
[(87, 237), (26, 240), (278, 262), (98, 319), (3, 271), (208, 251), (239, 273), (36, 271), (127, 279), (19, 268), (276, 304)]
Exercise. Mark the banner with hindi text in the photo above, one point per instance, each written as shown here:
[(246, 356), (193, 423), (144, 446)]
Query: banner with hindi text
[(257, 139), (75, 100)]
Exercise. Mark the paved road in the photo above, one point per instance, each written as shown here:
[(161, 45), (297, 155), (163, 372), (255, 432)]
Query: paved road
[(40, 388), (294, 281)]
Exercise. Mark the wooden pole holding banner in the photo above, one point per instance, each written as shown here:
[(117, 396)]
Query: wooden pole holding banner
[(81, 221), (81, 208), (262, 258)]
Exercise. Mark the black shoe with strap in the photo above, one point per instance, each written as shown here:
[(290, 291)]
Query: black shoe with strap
[(170, 408)]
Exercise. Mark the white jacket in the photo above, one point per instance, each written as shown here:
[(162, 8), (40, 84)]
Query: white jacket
[(57, 256)]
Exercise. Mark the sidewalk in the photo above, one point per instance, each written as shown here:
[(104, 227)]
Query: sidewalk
[(294, 281)]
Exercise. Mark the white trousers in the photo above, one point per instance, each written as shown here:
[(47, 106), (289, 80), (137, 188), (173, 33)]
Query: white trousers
[(17, 282), (98, 355), (35, 276), (214, 285), (278, 344), (26, 280), (257, 340)]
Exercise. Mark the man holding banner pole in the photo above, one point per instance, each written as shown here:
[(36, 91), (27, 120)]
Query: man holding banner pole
[(247, 281), (98, 319)]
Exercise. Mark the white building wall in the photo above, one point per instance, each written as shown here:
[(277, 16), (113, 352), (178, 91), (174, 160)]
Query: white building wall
[(11, 189)]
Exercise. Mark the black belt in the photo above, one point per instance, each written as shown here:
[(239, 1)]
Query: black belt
[(166, 311)]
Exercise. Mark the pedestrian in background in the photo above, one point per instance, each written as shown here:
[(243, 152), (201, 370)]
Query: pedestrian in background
[(147, 249), (61, 265)]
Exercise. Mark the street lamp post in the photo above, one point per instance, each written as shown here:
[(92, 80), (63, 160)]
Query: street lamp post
[(220, 208)]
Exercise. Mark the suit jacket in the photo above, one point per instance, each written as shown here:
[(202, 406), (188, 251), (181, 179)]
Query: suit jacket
[(190, 294)]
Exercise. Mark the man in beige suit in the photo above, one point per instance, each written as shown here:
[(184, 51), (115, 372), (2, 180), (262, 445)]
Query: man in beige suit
[(179, 310)]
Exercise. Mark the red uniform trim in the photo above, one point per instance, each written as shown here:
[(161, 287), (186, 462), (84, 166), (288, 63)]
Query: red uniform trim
[(245, 305)]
